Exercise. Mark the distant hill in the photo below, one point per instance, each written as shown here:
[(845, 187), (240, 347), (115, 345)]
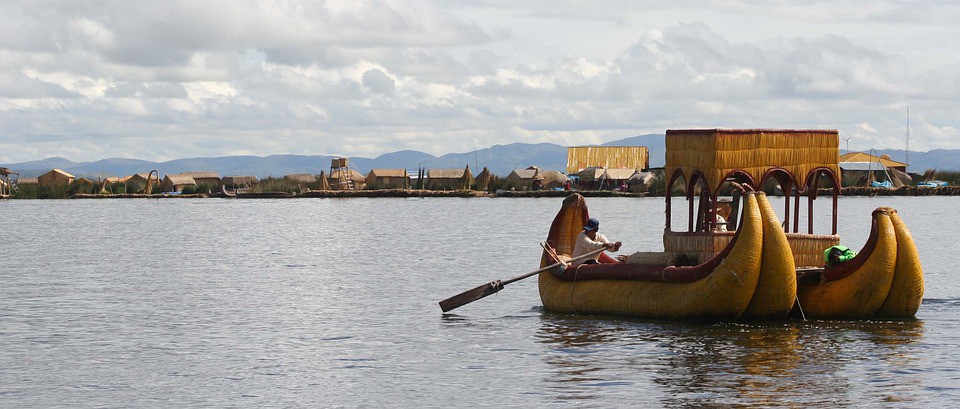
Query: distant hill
[(500, 159)]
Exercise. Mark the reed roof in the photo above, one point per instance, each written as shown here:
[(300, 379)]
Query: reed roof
[(202, 175), (553, 176), (866, 157), (239, 180), (179, 179), (62, 172), (714, 154), (28, 181), (350, 174), (445, 173), (388, 173)]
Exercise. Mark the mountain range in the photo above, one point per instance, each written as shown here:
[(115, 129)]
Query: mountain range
[(500, 159)]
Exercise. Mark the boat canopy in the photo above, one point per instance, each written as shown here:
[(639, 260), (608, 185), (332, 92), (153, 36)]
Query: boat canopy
[(796, 159), (715, 154)]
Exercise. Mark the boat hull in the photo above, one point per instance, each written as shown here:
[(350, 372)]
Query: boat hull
[(859, 287), (723, 293)]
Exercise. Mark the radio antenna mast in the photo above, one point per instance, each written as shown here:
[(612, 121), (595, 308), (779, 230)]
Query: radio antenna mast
[(908, 136)]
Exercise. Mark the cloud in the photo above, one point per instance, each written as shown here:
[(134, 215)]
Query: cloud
[(163, 80)]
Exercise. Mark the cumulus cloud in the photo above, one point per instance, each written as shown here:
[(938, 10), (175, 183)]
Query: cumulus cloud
[(164, 80)]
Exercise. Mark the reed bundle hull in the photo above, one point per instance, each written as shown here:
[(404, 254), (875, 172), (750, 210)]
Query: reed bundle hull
[(724, 291)]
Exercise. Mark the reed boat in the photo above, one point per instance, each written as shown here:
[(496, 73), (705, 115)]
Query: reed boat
[(720, 288), (885, 279)]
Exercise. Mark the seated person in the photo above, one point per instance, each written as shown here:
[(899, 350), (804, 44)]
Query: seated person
[(589, 240), (723, 213)]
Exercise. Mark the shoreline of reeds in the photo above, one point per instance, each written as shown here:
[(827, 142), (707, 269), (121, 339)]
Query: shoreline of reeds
[(407, 193)]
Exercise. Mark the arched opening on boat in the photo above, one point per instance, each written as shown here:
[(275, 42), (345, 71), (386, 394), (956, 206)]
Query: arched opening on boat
[(727, 202), (676, 186), (815, 179), (778, 181)]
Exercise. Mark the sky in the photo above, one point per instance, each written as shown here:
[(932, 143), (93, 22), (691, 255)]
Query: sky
[(163, 80)]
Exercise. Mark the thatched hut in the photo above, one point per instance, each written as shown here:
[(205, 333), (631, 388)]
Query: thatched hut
[(641, 181), (177, 182), (524, 179), (239, 182), (210, 179), (608, 157), (388, 178), (596, 178), (55, 177), (483, 180), (346, 179), (450, 179)]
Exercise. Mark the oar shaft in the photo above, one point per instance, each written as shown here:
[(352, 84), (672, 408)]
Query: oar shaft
[(552, 266), (493, 287)]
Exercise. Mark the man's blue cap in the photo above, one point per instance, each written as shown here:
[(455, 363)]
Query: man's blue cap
[(592, 224)]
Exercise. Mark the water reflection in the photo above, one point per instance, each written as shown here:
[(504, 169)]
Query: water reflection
[(793, 363)]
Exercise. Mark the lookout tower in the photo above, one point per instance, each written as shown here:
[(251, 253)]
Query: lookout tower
[(340, 174)]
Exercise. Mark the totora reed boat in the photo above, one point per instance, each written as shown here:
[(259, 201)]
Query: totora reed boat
[(757, 267)]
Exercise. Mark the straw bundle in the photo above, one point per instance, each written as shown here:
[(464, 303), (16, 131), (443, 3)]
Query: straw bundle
[(777, 286), (906, 291), (717, 152)]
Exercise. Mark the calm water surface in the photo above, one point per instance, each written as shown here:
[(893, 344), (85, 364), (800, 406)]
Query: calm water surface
[(333, 302)]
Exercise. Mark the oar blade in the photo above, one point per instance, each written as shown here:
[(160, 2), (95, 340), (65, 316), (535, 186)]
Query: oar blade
[(471, 295)]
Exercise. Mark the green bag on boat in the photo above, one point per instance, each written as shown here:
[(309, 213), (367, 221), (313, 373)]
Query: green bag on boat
[(837, 254)]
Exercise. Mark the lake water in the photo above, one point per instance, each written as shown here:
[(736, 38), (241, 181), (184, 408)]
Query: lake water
[(333, 303)]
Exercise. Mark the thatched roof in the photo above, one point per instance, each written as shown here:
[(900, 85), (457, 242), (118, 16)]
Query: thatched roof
[(532, 172), (583, 157), (202, 175), (28, 181), (618, 174), (866, 157), (62, 172), (715, 154), (113, 179), (445, 173), (302, 177), (553, 176), (350, 174), (179, 179), (388, 173)]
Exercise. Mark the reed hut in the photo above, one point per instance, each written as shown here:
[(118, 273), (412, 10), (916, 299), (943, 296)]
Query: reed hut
[(211, 179), (324, 182), (525, 179), (607, 157), (388, 178), (140, 178), (27, 181), (450, 179), (596, 178), (640, 181), (304, 178), (176, 182), (350, 179), (55, 177), (483, 180), (239, 182)]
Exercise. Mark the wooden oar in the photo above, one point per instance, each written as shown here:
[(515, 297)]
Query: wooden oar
[(492, 287)]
